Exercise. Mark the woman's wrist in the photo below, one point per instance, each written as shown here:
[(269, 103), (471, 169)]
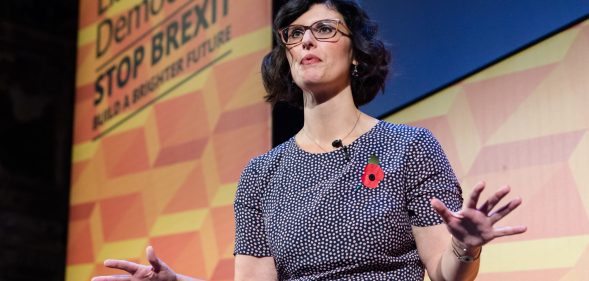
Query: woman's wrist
[(464, 252)]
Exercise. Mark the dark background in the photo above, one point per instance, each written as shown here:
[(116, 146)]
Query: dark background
[(437, 43), (37, 82)]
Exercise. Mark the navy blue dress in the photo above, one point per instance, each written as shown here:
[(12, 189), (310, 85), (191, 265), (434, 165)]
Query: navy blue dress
[(322, 217)]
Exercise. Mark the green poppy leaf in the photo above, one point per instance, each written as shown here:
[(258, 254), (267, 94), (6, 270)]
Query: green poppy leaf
[(374, 160)]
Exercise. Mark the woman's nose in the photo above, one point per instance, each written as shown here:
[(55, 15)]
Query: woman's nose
[(308, 39)]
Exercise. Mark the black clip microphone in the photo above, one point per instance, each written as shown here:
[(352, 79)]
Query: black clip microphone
[(337, 144)]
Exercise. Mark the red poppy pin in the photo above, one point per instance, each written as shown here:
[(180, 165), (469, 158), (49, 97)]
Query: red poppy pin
[(373, 174)]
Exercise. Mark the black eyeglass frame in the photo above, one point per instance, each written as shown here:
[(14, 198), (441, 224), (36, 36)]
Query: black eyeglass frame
[(338, 22)]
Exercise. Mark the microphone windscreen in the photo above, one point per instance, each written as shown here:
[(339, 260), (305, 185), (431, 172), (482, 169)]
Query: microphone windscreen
[(337, 143)]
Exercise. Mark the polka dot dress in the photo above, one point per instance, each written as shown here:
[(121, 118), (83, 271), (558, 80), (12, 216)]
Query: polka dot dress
[(320, 219)]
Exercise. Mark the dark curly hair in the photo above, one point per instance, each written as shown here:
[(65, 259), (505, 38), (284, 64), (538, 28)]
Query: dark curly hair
[(370, 53)]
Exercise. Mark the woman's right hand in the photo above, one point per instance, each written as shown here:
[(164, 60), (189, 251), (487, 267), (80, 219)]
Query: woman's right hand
[(156, 271)]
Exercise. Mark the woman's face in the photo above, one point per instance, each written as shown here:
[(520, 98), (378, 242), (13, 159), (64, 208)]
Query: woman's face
[(320, 66)]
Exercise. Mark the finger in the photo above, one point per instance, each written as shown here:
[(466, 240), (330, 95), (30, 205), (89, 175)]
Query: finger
[(127, 266), (505, 210), (443, 211), (112, 278), (153, 259), (493, 200), (510, 230), (475, 194)]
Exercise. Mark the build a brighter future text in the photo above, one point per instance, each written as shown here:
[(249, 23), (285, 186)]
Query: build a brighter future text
[(135, 44)]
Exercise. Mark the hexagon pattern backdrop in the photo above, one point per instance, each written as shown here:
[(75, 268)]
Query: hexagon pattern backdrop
[(169, 108), (524, 121)]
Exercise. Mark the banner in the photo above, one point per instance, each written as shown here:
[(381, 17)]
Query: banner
[(524, 122), (169, 108)]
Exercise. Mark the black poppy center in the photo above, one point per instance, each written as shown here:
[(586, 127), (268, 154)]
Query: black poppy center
[(371, 177)]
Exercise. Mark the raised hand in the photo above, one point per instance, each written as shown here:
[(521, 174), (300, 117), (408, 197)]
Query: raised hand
[(156, 271), (474, 226)]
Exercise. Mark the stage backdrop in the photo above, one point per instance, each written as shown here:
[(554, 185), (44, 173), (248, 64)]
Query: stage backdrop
[(168, 111), (525, 122)]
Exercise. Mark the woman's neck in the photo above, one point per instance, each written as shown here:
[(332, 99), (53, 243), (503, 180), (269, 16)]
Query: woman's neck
[(331, 119)]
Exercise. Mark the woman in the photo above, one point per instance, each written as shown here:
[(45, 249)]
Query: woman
[(348, 197)]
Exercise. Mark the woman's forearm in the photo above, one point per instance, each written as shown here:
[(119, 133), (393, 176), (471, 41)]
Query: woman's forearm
[(180, 277)]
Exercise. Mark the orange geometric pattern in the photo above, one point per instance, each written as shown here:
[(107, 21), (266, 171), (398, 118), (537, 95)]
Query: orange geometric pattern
[(163, 171), (524, 122)]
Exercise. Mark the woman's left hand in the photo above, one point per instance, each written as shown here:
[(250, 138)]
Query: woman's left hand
[(474, 227)]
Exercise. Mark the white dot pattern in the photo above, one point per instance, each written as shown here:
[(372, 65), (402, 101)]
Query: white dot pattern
[(306, 212)]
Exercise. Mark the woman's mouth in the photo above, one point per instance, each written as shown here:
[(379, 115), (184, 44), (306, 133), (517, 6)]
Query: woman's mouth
[(310, 59)]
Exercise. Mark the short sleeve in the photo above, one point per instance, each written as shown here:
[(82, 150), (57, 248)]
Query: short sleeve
[(250, 229), (429, 175)]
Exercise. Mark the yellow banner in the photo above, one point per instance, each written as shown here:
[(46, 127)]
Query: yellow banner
[(524, 122), (168, 111)]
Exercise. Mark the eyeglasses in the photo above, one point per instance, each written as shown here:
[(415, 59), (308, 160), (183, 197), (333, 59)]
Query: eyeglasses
[(321, 30)]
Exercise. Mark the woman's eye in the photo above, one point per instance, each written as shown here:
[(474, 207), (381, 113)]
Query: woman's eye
[(298, 32), (324, 29)]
